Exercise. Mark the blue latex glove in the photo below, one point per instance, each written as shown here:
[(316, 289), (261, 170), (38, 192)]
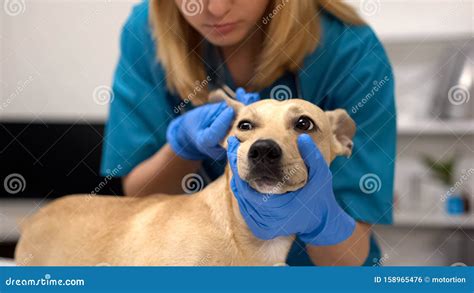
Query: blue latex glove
[(196, 135), (311, 212)]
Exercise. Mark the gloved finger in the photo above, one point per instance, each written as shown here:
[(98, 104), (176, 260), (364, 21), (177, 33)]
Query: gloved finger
[(213, 111), (311, 154), (232, 148), (216, 132), (252, 98), (246, 98), (240, 94)]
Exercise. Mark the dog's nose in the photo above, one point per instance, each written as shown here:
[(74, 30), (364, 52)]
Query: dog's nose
[(265, 151)]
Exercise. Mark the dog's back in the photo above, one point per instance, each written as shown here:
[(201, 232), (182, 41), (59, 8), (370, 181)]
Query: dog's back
[(94, 230), (154, 230)]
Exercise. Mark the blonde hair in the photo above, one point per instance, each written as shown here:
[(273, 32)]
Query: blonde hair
[(291, 33)]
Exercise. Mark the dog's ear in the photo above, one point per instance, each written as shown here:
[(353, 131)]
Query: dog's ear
[(220, 95), (343, 129)]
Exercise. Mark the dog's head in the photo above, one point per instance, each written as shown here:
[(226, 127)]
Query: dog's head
[(268, 156)]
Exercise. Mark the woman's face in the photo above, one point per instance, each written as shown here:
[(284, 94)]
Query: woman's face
[(223, 22)]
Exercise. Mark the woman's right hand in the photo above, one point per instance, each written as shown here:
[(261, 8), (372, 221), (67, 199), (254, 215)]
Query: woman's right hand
[(197, 134)]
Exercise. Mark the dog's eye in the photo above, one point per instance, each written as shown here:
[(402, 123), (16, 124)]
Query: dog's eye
[(245, 125), (304, 123)]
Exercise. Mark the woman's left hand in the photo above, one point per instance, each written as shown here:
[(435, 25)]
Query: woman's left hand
[(197, 134), (311, 212)]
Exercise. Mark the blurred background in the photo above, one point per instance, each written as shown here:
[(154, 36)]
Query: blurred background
[(57, 58)]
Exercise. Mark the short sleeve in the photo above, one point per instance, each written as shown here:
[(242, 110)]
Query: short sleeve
[(358, 78), (140, 110)]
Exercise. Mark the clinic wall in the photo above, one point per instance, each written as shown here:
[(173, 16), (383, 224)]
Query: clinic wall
[(55, 54)]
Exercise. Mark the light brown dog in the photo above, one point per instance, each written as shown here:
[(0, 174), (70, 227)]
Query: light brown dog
[(205, 228)]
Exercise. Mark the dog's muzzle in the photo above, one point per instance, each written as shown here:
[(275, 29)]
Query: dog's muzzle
[(264, 158)]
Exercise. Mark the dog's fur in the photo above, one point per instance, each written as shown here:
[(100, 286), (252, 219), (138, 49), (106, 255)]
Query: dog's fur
[(205, 228)]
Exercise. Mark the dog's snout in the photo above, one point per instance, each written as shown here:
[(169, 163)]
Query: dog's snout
[(265, 151)]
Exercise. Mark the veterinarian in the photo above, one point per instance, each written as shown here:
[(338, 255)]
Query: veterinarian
[(174, 52)]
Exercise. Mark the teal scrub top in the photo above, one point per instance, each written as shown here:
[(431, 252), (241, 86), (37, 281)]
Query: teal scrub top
[(349, 69)]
